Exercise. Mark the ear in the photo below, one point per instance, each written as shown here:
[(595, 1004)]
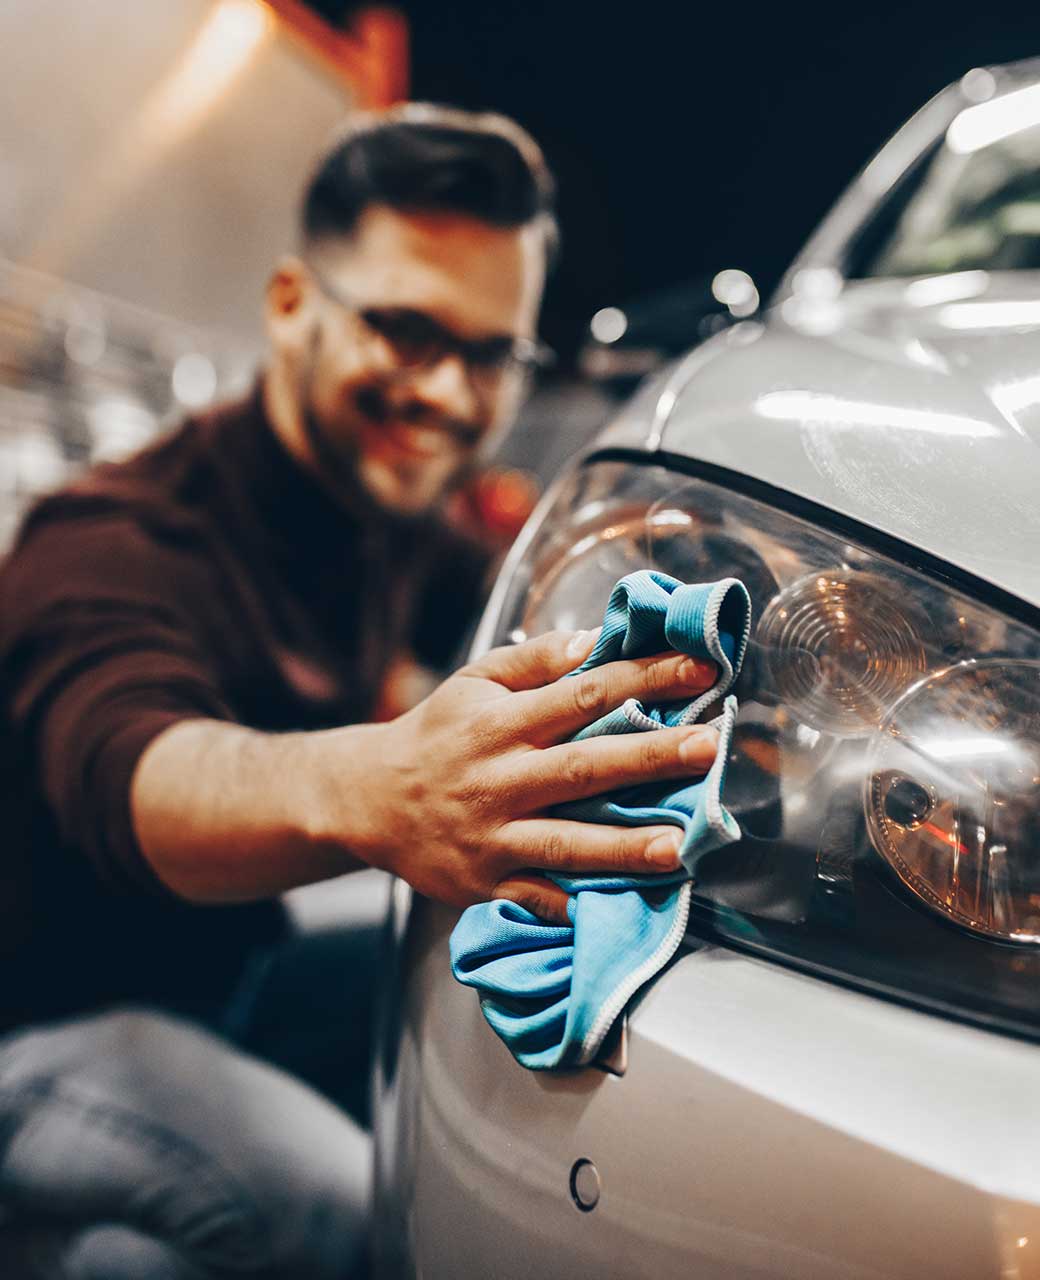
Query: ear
[(289, 305)]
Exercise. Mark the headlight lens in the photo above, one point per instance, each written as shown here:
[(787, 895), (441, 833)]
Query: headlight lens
[(952, 795), (886, 765)]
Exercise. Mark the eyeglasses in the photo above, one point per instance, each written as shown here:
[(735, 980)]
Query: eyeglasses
[(418, 341)]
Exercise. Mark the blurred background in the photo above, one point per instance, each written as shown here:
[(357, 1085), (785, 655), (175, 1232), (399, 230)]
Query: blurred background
[(151, 158)]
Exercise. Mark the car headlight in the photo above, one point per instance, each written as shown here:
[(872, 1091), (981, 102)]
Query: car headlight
[(886, 764), (951, 795)]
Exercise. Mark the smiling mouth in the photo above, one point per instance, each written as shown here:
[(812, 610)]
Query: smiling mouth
[(424, 440), (412, 441), (412, 430)]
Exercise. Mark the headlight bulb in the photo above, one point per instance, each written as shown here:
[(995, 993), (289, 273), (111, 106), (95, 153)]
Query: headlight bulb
[(953, 795), (839, 647)]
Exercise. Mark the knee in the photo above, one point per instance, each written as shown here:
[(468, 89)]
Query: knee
[(112, 1251), (140, 1118)]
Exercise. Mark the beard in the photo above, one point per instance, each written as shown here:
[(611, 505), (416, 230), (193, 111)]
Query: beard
[(355, 457)]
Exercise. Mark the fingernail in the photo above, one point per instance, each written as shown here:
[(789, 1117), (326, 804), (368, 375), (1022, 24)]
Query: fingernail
[(693, 748), (581, 642), (696, 673), (663, 850)]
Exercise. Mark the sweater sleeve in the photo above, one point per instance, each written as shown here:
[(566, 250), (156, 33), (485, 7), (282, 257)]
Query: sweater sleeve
[(99, 654)]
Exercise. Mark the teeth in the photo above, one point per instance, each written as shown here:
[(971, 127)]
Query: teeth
[(413, 437)]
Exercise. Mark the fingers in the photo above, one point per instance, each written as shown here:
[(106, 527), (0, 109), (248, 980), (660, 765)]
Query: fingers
[(557, 844), (554, 844), (566, 706), (542, 897), (577, 770), (536, 662)]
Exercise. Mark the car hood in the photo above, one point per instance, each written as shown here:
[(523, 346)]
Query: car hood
[(910, 406)]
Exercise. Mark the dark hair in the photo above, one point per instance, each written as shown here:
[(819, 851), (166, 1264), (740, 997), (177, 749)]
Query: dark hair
[(422, 157)]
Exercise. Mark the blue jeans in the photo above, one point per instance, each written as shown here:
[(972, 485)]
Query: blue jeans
[(135, 1145)]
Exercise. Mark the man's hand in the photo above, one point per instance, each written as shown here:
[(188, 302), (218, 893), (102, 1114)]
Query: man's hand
[(453, 796), (457, 790)]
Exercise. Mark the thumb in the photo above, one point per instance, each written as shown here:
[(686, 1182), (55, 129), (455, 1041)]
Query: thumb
[(536, 662)]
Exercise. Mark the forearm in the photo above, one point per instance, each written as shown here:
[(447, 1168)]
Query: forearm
[(227, 814)]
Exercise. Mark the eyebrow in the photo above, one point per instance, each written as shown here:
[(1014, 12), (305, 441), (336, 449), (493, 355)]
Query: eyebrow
[(346, 299), (426, 314), (505, 335)]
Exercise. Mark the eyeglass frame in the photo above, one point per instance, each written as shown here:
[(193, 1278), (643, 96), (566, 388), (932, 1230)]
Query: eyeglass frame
[(526, 356)]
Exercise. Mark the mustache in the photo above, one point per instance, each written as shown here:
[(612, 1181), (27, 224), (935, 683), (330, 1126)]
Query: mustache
[(374, 405)]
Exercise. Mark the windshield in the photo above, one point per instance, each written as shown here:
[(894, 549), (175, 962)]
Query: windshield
[(972, 203)]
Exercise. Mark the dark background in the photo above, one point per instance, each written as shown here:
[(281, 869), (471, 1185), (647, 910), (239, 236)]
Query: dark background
[(688, 137)]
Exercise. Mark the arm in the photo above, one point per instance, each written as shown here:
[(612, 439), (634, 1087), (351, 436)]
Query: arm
[(226, 814), (117, 705), (453, 796)]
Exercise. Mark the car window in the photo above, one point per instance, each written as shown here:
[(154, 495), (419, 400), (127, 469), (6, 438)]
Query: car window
[(971, 203)]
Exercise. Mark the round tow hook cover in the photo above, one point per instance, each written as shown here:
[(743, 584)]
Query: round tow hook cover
[(585, 1185)]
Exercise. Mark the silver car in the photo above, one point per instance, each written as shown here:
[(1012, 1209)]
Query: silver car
[(839, 1075)]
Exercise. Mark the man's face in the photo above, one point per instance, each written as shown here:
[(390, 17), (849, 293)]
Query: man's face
[(381, 394)]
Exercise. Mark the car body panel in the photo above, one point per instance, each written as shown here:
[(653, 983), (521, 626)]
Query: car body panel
[(900, 416), (768, 1125), (642, 418)]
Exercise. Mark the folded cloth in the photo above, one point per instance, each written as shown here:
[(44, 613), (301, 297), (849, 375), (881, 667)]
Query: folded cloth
[(552, 992)]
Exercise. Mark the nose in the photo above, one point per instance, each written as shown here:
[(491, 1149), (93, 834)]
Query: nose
[(446, 388)]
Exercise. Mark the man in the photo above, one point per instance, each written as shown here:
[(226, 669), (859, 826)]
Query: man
[(192, 644)]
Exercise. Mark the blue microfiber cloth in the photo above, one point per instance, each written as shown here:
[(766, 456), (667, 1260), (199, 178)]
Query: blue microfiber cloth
[(552, 992)]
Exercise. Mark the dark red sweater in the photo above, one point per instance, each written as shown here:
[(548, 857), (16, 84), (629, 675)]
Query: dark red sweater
[(207, 576)]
